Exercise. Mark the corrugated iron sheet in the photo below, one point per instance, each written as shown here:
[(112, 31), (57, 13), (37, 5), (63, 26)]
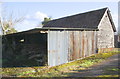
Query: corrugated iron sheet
[(65, 46)]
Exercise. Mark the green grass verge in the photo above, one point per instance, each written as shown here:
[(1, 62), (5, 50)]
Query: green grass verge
[(108, 76), (56, 71)]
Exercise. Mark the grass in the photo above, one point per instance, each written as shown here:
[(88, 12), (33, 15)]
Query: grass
[(108, 76), (112, 69), (57, 71)]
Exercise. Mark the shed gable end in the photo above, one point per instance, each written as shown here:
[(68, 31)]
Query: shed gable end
[(105, 35)]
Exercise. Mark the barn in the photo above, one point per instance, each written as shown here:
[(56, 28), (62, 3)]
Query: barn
[(63, 40)]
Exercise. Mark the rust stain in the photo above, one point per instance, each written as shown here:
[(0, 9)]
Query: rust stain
[(52, 51)]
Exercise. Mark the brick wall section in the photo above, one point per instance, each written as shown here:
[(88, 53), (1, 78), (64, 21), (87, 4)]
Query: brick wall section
[(105, 34)]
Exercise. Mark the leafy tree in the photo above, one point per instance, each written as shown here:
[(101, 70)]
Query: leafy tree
[(46, 20)]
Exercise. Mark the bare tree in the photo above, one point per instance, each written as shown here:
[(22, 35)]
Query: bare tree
[(7, 25), (7, 22)]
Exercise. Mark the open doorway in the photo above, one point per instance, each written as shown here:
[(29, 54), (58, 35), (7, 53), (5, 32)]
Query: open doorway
[(23, 50)]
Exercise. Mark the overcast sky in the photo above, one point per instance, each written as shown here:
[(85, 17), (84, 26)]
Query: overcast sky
[(34, 12)]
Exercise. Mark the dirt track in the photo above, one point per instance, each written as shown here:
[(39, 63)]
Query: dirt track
[(107, 67)]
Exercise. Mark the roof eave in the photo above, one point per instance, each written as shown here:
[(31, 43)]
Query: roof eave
[(111, 20), (56, 28)]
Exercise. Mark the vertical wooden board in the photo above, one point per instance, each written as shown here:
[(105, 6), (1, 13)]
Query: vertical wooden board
[(87, 47), (79, 44), (87, 43), (76, 45), (95, 42), (71, 38), (90, 43), (68, 41), (80, 39), (74, 49), (83, 43)]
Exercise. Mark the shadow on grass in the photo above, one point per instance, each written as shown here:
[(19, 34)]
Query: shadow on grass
[(108, 68)]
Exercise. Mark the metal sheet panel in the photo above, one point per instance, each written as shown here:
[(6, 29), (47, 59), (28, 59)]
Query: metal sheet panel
[(61, 49), (52, 55), (57, 48), (65, 46)]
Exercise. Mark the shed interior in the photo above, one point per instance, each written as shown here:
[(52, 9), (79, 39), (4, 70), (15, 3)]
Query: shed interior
[(27, 49)]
